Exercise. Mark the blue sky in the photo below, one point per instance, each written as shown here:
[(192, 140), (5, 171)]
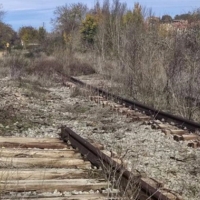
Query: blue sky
[(36, 12)]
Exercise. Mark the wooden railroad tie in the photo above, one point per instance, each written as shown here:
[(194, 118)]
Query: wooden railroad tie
[(45, 165)]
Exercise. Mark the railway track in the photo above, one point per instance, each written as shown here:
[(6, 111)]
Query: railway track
[(65, 168), (181, 129), (44, 169)]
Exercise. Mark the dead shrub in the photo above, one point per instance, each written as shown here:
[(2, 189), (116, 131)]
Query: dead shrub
[(72, 64), (4, 71), (16, 63), (80, 68), (45, 66), (49, 66)]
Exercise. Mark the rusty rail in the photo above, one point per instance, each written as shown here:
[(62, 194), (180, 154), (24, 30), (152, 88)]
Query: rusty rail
[(99, 159), (156, 114)]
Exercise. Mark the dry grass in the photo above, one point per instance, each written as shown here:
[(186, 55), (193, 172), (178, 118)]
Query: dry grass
[(72, 64), (47, 70), (120, 187)]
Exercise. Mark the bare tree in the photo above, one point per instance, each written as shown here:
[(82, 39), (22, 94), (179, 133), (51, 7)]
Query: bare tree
[(67, 21)]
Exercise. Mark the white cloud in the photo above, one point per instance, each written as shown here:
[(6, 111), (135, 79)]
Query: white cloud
[(21, 5), (17, 5)]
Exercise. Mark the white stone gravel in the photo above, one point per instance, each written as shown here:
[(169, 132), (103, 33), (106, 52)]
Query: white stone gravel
[(149, 151)]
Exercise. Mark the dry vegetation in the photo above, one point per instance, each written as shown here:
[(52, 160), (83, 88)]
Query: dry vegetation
[(156, 66), (44, 68)]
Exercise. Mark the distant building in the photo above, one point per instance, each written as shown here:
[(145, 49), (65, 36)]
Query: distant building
[(153, 20), (176, 25), (180, 25)]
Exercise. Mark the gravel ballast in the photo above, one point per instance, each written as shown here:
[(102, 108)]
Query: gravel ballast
[(28, 111)]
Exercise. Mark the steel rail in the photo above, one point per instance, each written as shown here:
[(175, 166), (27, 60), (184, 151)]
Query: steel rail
[(154, 113), (97, 158)]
